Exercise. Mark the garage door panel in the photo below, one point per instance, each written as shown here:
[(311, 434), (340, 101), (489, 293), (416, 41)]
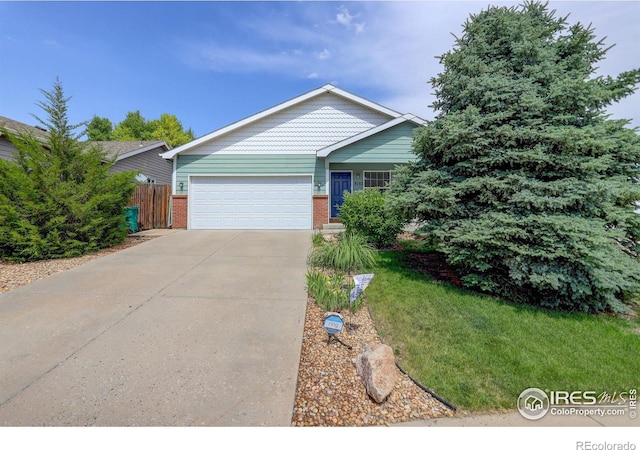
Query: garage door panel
[(228, 209), (244, 196), (282, 202)]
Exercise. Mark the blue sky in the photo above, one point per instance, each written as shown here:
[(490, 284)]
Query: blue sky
[(213, 63)]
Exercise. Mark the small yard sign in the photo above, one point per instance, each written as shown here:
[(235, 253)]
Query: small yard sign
[(361, 281), (333, 323)]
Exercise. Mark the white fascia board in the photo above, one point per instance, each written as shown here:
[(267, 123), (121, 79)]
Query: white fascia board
[(323, 153), (415, 119), (142, 150), (363, 101), (294, 101)]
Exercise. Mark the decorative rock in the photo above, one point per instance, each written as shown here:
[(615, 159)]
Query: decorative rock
[(377, 369), (350, 398)]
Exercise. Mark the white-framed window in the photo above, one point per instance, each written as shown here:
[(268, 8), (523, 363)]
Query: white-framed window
[(378, 179)]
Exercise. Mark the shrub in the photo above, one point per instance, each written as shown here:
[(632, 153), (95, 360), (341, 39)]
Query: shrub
[(364, 212), (527, 184), (59, 200)]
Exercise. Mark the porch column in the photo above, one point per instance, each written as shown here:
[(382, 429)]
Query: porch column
[(320, 210), (179, 211)]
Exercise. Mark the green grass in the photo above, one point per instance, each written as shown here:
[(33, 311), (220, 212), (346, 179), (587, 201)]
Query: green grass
[(480, 352)]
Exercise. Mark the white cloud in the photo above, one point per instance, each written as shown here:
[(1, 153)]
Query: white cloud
[(324, 54), (397, 55), (343, 17), (239, 59)]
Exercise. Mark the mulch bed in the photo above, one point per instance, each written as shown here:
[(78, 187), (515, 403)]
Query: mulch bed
[(434, 265)]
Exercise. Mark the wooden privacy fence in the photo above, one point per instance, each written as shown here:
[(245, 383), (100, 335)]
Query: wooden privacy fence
[(153, 201)]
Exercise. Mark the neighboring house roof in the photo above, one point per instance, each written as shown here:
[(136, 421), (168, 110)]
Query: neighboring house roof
[(380, 118), (119, 150), (143, 157), (115, 149), (14, 126)]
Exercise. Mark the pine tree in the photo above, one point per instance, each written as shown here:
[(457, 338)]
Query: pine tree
[(59, 199), (527, 184)]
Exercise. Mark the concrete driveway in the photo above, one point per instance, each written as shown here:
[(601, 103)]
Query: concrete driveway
[(191, 328)]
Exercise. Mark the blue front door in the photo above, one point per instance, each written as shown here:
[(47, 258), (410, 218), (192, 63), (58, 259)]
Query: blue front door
[(340, 182)]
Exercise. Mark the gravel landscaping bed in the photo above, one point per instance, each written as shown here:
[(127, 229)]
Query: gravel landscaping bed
[(329, 391)]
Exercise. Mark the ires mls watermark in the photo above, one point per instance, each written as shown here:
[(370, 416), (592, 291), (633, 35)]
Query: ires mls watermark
[(534, 403)]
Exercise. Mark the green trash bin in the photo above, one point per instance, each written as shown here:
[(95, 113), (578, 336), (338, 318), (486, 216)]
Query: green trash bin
[(131, 214)]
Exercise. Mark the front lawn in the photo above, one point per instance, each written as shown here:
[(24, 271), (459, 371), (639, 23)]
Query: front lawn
[(480, 352)]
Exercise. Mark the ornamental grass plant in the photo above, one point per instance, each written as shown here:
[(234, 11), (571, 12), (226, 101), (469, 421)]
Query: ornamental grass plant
[(331, 265), (350, 252)]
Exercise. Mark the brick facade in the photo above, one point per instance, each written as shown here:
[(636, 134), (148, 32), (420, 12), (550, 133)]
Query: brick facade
[(179, 211), (320, 210)]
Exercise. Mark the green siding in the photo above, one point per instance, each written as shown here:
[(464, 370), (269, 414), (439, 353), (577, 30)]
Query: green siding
[(243, 165), (382, 151), (358, 170), (390, 146), (320, 177)]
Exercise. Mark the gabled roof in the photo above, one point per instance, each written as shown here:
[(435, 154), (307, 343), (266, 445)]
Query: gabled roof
[(370, 132), (119, 150), (14, 126), (328, 88)]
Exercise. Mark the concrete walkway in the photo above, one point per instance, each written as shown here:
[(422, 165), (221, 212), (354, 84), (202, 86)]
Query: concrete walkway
[(190, 328), (514, 419)]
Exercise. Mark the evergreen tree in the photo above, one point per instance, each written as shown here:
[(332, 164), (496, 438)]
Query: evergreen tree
[(59, 200), (527, 184)]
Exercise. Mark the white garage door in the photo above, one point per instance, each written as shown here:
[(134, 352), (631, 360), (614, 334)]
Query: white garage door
[(256, 202)]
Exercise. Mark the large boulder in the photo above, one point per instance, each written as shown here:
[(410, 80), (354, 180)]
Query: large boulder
[(377, 369)]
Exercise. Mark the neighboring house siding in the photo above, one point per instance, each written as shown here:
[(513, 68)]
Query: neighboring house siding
[(242, 165), (7, 150), (390, 146), (149, 163), (303, 128)]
